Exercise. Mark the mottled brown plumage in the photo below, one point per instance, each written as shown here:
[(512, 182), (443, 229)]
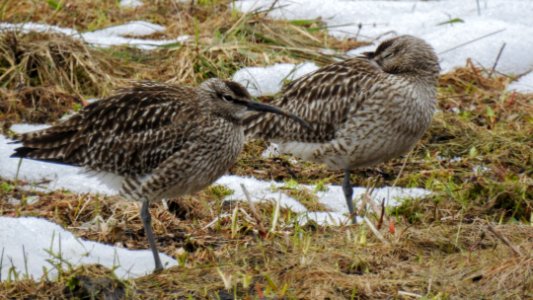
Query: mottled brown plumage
[(363, 110), (165, 140)]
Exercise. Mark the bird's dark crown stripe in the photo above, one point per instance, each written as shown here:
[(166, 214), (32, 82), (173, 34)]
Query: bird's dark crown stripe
[(386, 44), (237, 89)]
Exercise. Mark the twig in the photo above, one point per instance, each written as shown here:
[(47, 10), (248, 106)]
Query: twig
[(402, 168), (359, 27), (403, 293), (473, 41), (1, 262), (378, 209), (497, 60), (253, 209), (382, 214), (367, 199), (216, 219), (273, 5), (481, 238), (375, 231), (430, 282), (275, 215), (504, 240)]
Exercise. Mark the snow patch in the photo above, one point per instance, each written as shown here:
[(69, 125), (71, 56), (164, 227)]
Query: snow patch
[(271, 151), (523, 85), (261, 81), (28, 244), (137, 28), (452, 26), (23, 128), (110, 36), (260, 191), (49, 176), (130, 3), (332, 197)]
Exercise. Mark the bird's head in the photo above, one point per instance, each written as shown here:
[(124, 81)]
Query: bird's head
[(232, 100), (406, 54)]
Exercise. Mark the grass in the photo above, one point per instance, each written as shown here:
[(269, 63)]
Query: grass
[(477, 157), (448, 258)]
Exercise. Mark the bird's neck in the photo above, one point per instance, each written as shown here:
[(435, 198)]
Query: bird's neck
[(421, 78), (231, 117)]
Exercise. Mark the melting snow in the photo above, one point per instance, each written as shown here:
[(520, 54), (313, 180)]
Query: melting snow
[(49, 176), (454, 28), (28, 244), (332, 198), (110, 36), (130, 3), (269, 80), (137, 28), (523, 85)]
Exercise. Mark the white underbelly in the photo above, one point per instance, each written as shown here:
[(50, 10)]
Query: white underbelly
[(304, 151), (341, 156), (111, 181)]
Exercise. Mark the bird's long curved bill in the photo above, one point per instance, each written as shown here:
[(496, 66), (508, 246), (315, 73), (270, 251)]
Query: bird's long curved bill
[(367, 55), (261, 107)]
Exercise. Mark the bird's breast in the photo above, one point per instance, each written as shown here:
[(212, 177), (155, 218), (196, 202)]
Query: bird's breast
[(222, 148), (214, 152)]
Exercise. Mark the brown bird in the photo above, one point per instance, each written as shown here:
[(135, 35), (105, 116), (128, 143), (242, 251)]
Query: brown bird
[(164, 140), (363, 111)]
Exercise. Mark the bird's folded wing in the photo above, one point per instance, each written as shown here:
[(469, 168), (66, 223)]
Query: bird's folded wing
[(324, 98), (137, 128)]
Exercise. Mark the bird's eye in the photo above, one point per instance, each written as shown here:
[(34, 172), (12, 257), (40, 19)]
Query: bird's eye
[(227, 98), (388, 55)]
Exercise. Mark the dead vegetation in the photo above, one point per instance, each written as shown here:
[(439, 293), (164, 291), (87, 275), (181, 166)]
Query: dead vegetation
[(51, 59), (448, 258), (44, 75), (477, 157)]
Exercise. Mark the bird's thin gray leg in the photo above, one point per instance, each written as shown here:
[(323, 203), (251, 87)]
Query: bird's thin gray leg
[(147, 222), (348, 193)]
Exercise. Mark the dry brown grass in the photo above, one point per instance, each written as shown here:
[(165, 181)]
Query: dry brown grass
[(51, 59), (451, 257), (44, 75)]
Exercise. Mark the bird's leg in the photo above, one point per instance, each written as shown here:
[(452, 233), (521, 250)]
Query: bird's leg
[(147, 222), (348, 193)]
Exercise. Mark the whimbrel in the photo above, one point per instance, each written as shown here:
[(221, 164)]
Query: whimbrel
[(363, 111), (164, 140)]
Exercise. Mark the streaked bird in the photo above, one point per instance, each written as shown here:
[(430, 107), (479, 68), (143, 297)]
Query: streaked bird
[(164, 140), (363, 111)]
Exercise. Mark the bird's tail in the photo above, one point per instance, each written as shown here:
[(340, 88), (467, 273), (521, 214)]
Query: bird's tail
[(50, 144)]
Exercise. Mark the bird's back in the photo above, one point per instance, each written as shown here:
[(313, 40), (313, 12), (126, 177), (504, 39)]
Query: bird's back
[(129, 133), (325, 98)]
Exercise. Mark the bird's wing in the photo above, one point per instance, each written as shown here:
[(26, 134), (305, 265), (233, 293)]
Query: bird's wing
[(129, 133), (324, 98)]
